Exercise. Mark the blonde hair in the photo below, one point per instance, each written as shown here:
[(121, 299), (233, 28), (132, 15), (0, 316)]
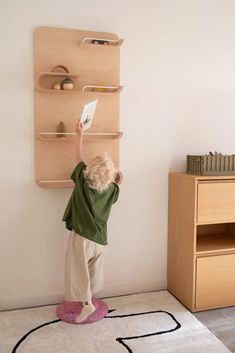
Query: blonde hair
[(100, 173)]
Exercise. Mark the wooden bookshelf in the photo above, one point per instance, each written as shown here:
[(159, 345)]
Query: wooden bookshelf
[(95, 74)]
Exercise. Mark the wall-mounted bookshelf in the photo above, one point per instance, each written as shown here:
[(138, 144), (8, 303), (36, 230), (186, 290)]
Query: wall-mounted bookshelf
[(61, 54)]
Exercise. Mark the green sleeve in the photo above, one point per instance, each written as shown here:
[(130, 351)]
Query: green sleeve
[(115, 193), (77, 172)]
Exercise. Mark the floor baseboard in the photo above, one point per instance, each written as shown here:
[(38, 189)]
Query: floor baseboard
[(13, 303)]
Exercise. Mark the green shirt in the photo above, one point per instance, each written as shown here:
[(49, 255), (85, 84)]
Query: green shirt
[(88, 210)]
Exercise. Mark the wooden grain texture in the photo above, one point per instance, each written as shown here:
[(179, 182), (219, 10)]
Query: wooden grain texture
[(181, 238), (215, 285), (213, 238), (205, 177), (181, 273), (201, 240), (215, 243), (216, 202), (182, 197), (93, 65), (182, 232)]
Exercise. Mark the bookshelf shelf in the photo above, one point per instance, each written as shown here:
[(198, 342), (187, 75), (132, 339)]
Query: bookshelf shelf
[(102, 42), (55, 184), (102, 89), (215, 243), (56, 136)]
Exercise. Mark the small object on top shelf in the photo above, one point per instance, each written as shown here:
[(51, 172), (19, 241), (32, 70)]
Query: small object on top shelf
[(56, 85), (100, 41), (61, 130), (60, 69), (215, 153), (67, 84), (103, 41)]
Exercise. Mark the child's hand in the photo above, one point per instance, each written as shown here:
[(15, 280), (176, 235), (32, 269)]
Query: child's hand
[(79, 127)]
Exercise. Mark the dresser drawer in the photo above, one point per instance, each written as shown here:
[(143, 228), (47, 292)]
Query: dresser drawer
[(216, 201), (215, 281)]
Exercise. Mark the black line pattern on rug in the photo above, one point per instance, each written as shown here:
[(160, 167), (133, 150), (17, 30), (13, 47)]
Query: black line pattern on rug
[(31, 331), (38, 327), (122, 339), (119, 339)]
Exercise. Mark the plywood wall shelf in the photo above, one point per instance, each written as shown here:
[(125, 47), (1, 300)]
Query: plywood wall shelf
[(104, 135), (102, 42), (102, 89), (55, 184), (86, 64), (55, 136), (56, 91), (59, 74), (46, 79), (91, 89)]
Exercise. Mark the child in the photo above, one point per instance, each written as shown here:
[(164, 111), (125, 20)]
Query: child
[(86, 215)]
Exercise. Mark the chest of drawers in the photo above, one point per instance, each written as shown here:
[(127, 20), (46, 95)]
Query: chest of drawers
[(201, 240)]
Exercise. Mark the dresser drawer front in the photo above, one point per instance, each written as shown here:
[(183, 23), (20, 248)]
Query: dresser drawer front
[(216, 201), (215, 281)]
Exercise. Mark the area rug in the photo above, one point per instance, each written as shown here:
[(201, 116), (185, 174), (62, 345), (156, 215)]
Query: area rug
[(152, 322)]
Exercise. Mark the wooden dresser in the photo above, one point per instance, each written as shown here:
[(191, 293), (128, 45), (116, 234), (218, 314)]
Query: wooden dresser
[(201, 240)]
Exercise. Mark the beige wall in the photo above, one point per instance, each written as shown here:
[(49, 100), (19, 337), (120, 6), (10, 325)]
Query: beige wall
[(177, 66)]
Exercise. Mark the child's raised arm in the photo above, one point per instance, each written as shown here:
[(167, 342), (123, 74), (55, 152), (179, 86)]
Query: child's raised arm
[(79, 142)]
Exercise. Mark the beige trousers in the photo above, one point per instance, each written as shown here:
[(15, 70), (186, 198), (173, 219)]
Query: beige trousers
[(84, 263)]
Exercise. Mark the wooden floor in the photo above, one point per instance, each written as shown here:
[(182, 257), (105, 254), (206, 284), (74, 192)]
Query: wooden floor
[(222, 323)]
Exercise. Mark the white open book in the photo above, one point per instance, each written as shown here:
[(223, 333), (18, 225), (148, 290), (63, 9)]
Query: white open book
[(88, 114)]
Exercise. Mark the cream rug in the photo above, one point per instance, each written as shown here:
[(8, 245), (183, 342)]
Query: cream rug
[(141, 323)]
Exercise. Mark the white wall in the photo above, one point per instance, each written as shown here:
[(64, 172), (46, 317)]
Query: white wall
[(177, 66)]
